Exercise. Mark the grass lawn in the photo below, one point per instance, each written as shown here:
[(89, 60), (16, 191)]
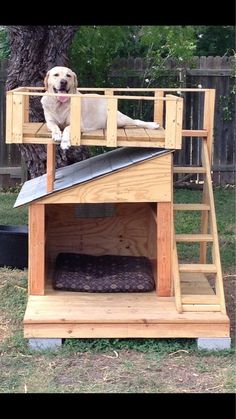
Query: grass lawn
[(116, 365)]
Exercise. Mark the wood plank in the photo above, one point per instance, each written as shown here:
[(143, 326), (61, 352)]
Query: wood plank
[(164, 254), (179, 123), (111, 133), (208, 119), (194, 133), (201, 307), (191, 207), (75, 120), (139, 143), (194, 237), (99, 142), (18, 119), (152, 237), (9, 118), (159, 107), (26, 108), (213, 224), (43, 132), (36, 256), (189, 169), (204, 222), (95, 134), (200, 299), (155, 134), (121, 134), (51, 162), (176, 277), (194, 267), (136, 134), (170, 125), (148, 181), (111, 308), (107, 330), (32, 128)]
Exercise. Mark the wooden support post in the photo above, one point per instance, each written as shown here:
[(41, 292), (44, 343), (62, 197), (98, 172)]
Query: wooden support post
[(159, 108), (51, 154), (164, 255), (170, 127), (111, 134), (179, 122), (75, 120), (208, 119), (26, 108), (36, 249), (213, 225), (208, 124), (18, 118)]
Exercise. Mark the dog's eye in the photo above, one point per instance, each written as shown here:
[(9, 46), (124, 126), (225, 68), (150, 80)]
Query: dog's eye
[(68, 75), (56, 75)]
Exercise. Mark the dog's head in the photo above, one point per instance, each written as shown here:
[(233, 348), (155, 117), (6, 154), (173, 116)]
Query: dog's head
[(61, 80)]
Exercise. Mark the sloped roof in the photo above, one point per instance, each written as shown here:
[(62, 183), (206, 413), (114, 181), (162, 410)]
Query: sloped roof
[(86, 170)]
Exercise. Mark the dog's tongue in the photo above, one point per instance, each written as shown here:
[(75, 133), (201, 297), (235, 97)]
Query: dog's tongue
[(62, 99)]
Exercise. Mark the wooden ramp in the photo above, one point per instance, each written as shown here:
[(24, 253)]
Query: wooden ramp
[(120, 315)]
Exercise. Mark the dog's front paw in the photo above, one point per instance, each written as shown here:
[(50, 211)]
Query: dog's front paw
[(65, 141), (153, 125), (56, 135)]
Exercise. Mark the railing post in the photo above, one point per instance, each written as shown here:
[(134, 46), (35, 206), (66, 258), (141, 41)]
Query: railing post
[(159, 108), (75, 120), (111, 134), (18, 118)]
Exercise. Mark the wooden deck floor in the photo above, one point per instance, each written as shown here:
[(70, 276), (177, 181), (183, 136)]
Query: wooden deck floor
[(37, 132), (119, 315)]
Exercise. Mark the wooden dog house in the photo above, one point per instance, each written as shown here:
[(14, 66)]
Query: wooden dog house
[(134, 184)]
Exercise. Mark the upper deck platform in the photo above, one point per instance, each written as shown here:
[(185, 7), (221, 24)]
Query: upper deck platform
[(167, 111)]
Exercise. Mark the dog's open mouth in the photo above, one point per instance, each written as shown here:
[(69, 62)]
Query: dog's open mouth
[(63, 91)]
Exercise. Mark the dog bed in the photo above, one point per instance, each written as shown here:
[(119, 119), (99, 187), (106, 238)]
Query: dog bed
[(87, 273)]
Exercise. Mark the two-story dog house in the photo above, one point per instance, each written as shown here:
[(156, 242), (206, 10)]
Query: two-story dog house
[(103, 256)]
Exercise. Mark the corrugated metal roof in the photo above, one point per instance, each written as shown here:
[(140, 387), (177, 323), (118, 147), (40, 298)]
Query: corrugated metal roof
[(86, 170)]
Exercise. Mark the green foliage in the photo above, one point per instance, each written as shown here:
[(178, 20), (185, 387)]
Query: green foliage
[(93, 50), (4, 44), (95, 47), (215, 40)]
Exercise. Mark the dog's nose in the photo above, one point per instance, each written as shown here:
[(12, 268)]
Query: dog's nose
[(63, 83)]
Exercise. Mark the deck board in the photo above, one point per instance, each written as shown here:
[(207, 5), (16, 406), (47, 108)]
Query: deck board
[(38, 133)]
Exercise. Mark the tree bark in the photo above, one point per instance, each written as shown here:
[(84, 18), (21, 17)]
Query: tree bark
[(35, 50)]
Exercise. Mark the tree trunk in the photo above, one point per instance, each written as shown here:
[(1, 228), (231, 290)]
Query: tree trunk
[(34, 50)]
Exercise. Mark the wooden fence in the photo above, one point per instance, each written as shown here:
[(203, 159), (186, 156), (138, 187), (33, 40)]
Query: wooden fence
[(209, 72)]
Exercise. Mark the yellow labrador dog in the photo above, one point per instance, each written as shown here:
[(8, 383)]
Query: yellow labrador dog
[(93, 111)]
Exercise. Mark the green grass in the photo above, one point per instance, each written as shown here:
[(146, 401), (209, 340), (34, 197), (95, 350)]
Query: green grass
[(10, 215)]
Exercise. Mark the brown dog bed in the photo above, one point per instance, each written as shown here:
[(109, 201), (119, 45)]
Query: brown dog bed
[(108, 273)]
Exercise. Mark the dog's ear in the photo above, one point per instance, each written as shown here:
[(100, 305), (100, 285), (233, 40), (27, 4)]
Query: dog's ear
[(46, 81), (75, 81)]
